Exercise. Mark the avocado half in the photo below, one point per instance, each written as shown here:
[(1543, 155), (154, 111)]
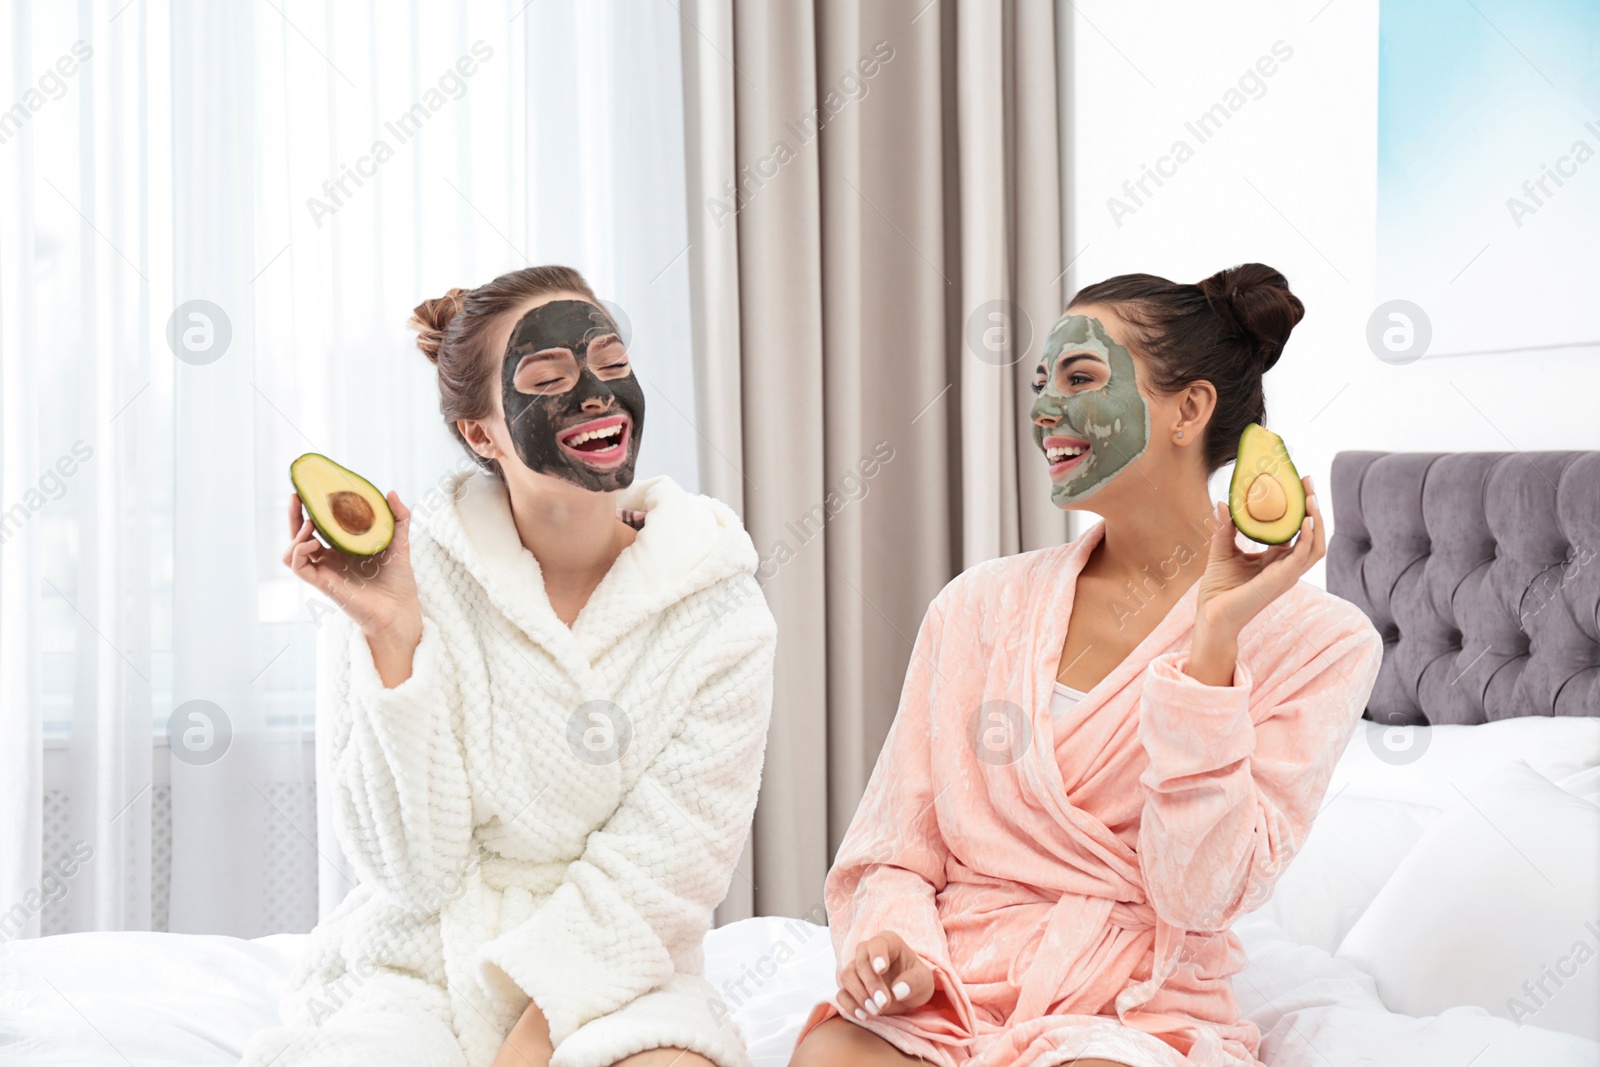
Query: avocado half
[(347, 510), (1266, 498)]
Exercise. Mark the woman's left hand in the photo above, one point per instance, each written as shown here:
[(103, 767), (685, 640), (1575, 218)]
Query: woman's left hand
[(1237, 585)]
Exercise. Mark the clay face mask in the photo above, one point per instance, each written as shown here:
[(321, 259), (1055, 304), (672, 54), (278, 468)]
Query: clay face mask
[(573, 406), (1086, 383)]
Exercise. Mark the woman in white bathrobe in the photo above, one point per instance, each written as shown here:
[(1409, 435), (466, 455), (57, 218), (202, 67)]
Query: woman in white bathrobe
[(544, 709)]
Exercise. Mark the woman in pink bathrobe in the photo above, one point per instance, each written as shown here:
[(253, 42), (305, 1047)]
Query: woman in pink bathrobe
[(1107, 751)]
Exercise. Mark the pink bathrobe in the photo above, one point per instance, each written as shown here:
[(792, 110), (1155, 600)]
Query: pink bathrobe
[(1071, 883)]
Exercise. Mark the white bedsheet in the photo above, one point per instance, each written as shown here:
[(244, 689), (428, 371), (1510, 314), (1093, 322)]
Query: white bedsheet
[(159, 1000), (143, 1000)]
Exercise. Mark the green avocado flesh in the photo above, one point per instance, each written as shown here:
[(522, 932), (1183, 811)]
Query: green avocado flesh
[(1266, 498), (349, 513)]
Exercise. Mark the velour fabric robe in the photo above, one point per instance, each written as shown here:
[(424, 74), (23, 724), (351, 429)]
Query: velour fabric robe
[(1071, 883)]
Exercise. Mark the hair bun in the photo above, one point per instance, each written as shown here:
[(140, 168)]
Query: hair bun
[(1255, 301), (431, 318)]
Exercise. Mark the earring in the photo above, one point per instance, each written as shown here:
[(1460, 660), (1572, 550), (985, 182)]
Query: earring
[(1180, 433)]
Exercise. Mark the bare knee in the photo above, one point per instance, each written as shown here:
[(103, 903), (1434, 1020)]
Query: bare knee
[(665, 1057), (528, 1043), (841, 1043)]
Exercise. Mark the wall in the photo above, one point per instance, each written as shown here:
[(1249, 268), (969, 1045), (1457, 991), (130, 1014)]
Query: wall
[(1289, 179)]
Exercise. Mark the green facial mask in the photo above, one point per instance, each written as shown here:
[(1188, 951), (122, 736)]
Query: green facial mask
[(1109, 422)]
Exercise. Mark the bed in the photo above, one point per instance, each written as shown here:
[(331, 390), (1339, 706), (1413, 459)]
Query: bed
[(1444, 910)]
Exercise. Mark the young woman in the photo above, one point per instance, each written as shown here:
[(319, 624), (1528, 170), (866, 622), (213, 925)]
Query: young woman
[(1105, 752), (545, 723)]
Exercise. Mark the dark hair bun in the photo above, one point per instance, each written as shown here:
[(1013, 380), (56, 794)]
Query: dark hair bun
[(431, 318), (1255, 302)]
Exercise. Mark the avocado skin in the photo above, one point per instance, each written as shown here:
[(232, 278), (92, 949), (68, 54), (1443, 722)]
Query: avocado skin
[(1262, 452), (302, 473)]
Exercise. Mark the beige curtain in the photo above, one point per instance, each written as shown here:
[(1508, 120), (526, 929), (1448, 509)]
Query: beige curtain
[(876, 254)]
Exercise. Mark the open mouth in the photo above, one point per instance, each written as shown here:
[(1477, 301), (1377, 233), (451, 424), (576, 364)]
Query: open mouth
[(1064, 454), (599, 442)]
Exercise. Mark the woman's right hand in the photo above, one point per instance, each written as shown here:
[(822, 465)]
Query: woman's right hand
[(379, 593), (885, 978)]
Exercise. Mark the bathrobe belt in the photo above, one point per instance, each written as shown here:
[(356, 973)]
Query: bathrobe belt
[(1061, 966)]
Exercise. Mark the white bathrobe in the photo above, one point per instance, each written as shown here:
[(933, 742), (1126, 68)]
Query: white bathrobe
[(539, 811)]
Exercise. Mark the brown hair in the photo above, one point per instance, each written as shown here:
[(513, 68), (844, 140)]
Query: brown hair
[(452, 331), (1228, 330)]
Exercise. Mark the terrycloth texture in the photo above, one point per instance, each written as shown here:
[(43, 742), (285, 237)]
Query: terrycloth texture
[(514, 842), (1051, 892)]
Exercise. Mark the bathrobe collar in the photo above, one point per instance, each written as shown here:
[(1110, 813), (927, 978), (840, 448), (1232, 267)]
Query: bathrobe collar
[(688, 544), (1052, 602)]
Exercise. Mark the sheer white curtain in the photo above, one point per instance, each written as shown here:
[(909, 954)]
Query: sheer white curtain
[(310, 172)]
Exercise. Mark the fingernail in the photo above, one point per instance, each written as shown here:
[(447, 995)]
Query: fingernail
[(901, 990), (860, 1014), (1311, 523), (872, 1007), (880, 964), (880, 998)]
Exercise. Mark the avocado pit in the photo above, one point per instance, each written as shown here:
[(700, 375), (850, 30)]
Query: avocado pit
[(1265, 500), (351, 511)]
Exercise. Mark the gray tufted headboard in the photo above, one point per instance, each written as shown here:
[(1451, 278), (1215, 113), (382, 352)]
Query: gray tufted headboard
[(1482, 572)]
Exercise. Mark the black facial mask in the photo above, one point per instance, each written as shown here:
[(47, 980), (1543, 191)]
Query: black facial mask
[(580, 386)]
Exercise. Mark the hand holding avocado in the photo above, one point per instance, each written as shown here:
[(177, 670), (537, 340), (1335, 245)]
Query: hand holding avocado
[(367, 571), (1237, 585)]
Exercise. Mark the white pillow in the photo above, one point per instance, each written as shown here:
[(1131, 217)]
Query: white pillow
[(1495, 906), (1585, 784), (1420, 764), (1354, 845)]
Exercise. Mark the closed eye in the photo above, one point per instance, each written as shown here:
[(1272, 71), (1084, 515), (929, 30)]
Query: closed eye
[(545, 372), (608, 356)]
